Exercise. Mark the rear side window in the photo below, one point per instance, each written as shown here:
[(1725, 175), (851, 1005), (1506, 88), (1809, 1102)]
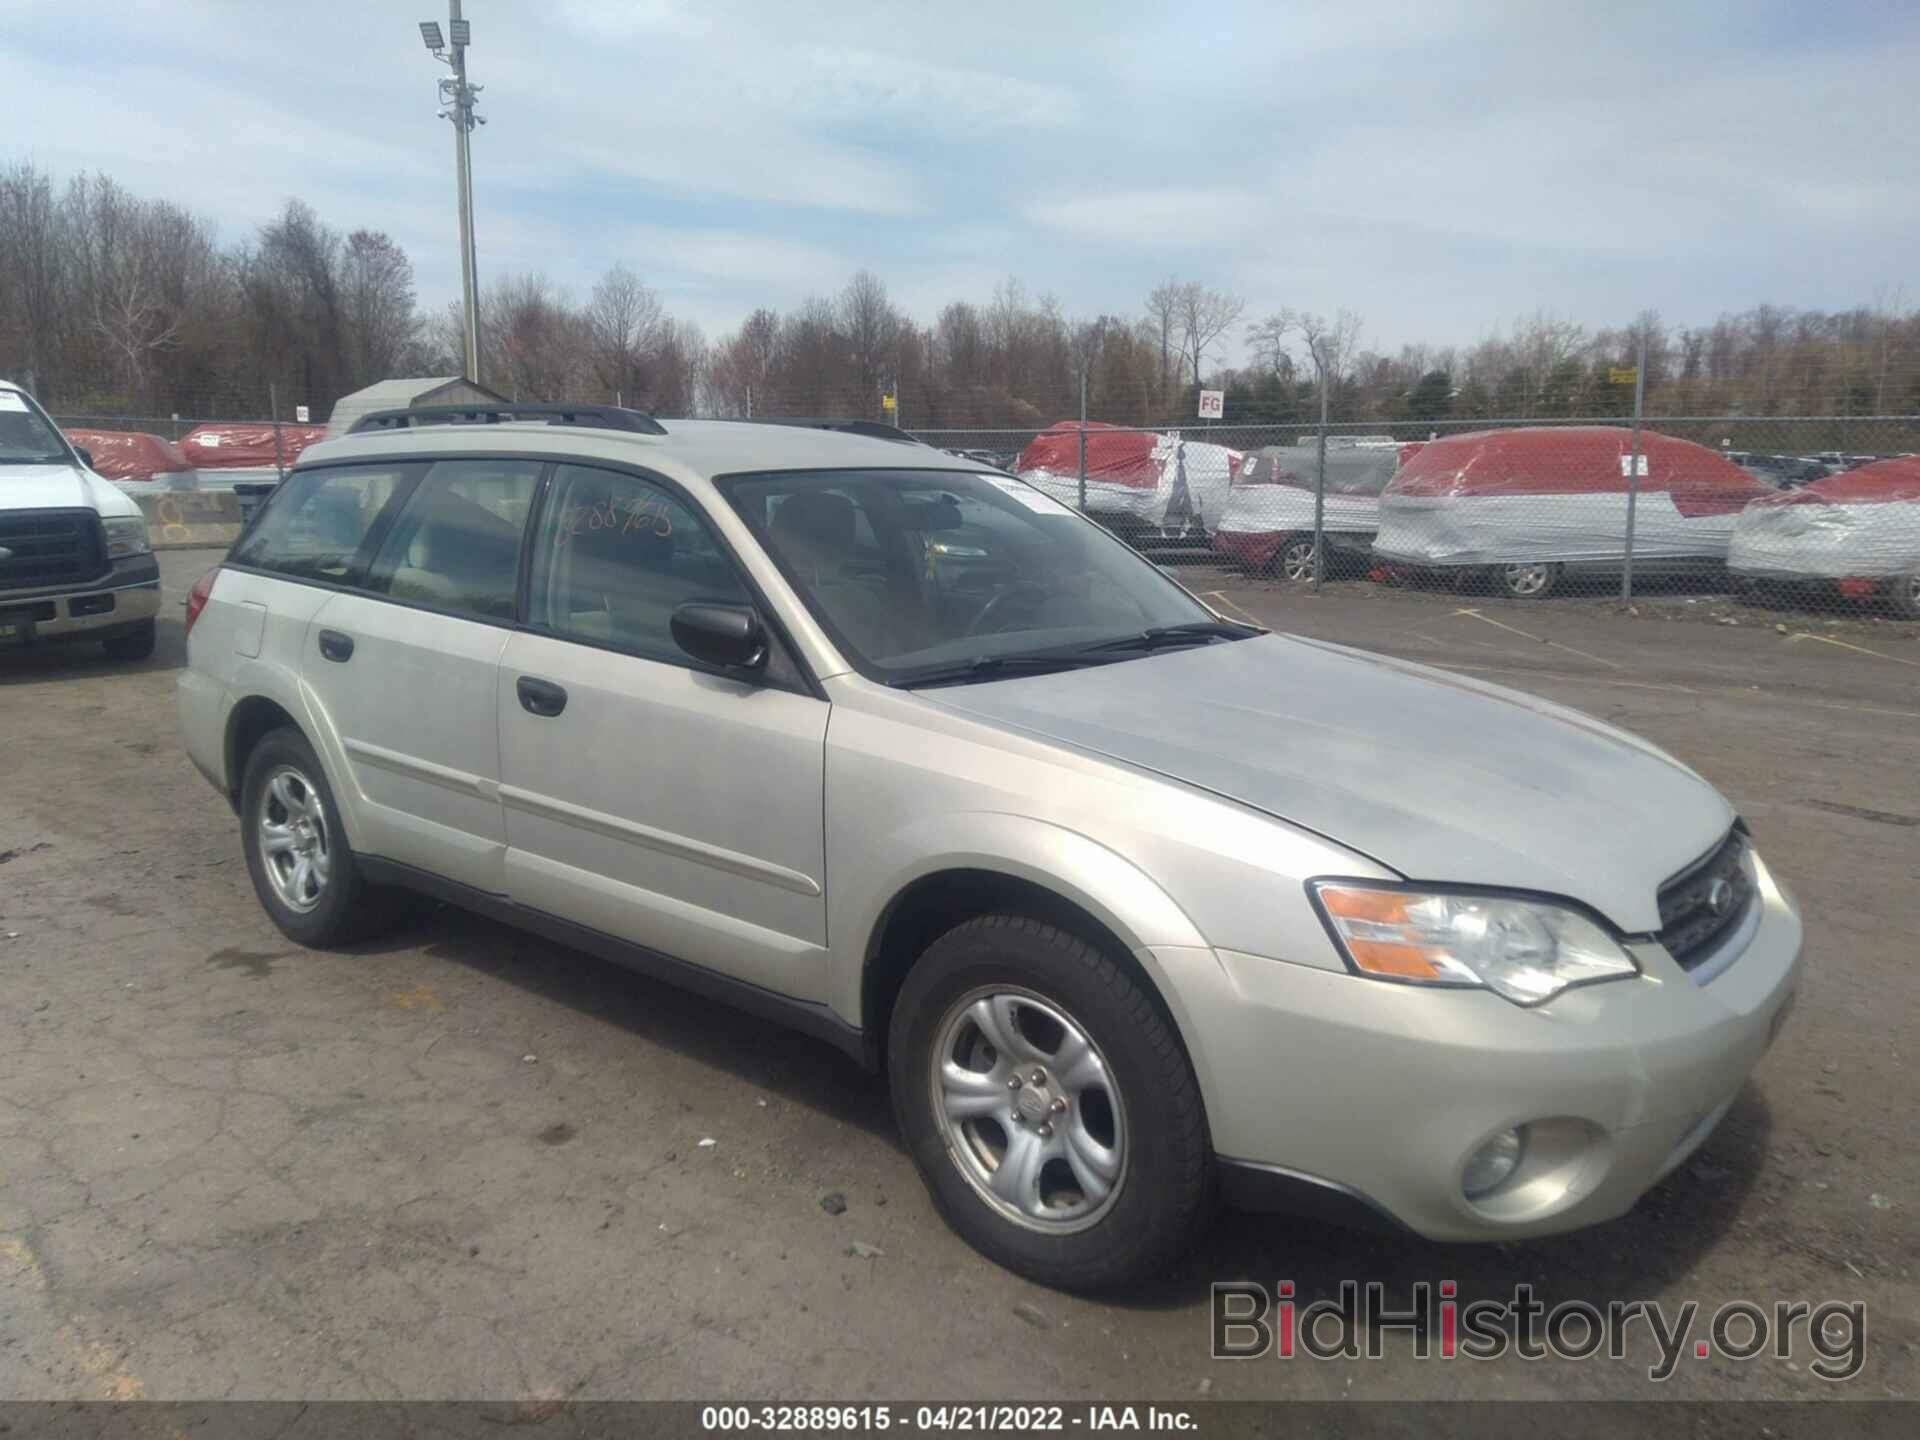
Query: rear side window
[(319, 522), (456, 544)]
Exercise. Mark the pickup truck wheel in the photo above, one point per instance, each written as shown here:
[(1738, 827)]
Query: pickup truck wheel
[(1049, 1105), (297, 852), (133, 645)]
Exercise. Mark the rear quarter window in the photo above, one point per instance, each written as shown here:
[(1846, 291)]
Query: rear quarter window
[(318, 523)]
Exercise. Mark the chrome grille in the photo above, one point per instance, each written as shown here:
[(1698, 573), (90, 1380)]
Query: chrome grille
[(42, 549), (1704, 902)]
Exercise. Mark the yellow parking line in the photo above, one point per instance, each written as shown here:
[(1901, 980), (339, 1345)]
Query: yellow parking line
[(1848, 645), (1221, 597), (1515, 629)]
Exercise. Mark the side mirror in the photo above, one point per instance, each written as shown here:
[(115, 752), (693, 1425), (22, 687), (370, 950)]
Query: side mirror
[(726, 635), (86, 455)]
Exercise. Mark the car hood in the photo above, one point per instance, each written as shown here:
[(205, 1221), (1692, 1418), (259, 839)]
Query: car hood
[(1431, 774), (60, 487)]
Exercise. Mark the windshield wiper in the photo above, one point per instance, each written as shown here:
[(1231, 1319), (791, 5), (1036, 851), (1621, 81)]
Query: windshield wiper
[(990, 667), (1195, 632)]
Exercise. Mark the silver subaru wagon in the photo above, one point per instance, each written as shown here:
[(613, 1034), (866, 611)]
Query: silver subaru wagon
[(1136, 906)]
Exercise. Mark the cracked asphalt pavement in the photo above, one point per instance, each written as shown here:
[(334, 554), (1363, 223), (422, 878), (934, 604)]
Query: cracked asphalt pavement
[(468, 1163)]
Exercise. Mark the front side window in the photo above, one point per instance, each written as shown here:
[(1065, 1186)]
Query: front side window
[(616, 556), (318, 523), (912, 571), (456, 545)]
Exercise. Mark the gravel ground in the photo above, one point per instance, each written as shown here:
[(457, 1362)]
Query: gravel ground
[(467, 1163)]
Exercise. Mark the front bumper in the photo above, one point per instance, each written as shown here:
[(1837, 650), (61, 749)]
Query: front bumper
[(1370, 1097), (123, 599)]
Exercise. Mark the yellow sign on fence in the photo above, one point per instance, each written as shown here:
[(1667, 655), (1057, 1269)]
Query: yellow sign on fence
[(889, 404), (1618, 376)]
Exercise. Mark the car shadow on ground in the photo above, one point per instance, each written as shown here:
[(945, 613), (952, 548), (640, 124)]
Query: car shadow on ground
[(771, 1056), (77, 660), (1634, 1257)]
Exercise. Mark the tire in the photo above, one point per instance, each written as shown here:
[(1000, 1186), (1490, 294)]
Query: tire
[(1126, 1116), (1904, 595), (1534, 581), (1292, 559), (134, 644), (335, 905)]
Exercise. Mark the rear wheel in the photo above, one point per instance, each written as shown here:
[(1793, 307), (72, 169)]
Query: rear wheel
[(1293, 560), (1531, 581), (1048, 1105), (1905, 595), (135, 644), (302, 866)]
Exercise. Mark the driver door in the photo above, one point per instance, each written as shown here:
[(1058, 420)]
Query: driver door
[(647, 796)]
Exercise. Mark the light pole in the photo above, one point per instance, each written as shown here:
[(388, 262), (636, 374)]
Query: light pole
[(456, 104)]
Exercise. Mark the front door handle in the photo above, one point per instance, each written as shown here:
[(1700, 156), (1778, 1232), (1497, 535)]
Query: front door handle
[(540, 697), (335, 646)]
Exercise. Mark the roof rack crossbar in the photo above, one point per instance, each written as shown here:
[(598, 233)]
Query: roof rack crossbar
[(598, 417)]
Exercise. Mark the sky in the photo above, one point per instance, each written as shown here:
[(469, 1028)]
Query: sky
[(1441, 167)]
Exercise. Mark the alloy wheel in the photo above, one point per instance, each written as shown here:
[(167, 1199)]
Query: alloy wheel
[(1029, 1109), (1524, 580), (294, 838), (1296, 560)]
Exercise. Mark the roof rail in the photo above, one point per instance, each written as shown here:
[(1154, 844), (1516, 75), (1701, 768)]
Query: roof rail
[(598, 417), (873, 429)]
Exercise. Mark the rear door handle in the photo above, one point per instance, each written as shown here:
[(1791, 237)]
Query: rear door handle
[(335, 646), (540, 697)]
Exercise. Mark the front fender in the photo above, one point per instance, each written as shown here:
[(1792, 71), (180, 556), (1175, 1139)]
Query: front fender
[(1106, 885)]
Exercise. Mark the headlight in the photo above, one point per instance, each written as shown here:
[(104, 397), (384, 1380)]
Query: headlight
[(126, 535), (1525, 950)]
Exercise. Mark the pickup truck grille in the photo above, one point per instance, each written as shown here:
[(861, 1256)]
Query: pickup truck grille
[(1700, 905), (45, 549)]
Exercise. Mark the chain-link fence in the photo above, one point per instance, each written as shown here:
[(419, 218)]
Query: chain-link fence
[(1804, 513), (1812, 513)]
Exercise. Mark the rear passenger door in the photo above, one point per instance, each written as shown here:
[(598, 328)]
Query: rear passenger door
[(402, 670), (647, 796)]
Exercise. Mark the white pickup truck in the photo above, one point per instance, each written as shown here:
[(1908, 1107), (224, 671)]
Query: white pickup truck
[(76, 562)]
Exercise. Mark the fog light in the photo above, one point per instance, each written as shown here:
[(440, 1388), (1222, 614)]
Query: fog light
[(1490, 1165)]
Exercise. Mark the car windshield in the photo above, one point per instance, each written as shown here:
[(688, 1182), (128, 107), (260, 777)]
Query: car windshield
[(917, 574), (25, 437)]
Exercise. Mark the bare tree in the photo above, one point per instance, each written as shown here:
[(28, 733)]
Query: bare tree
[(625, 320), (1267, 340), (1204, 315), (1163, 319), (871, 325), (1332, 345), (376, 301)]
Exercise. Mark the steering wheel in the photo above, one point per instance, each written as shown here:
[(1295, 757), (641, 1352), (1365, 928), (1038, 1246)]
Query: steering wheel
[(1032, 590)]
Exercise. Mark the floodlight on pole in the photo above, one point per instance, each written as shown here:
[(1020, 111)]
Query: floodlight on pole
[(457, 98)]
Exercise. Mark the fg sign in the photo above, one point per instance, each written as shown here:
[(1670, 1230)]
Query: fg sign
[(300, 414), (1213, 404)]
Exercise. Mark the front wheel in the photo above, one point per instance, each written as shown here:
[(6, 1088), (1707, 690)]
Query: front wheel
[(1049, 1105), (135, 644)]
